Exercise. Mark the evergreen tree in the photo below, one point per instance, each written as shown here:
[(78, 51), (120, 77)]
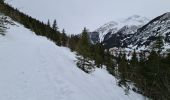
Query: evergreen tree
[(109, 62), (154, 62), (142, 57), (123, 69), (48, 23), (134, 62), (142, 63), (55, 27), (63, 38), (83, 49), (123, 65), (158, 45), (98, 55), (73, 42)]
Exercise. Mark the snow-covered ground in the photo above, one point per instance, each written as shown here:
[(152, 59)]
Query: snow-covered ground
[(34, 68)]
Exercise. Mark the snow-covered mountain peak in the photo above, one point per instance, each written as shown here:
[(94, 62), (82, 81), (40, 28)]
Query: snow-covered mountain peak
[(132, 20), (110, 27), (135, 20), (107, 26), (111, 23), (136, 17), (129, 25)]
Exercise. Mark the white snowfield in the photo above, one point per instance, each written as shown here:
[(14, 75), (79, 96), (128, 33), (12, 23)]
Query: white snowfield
[(34, 68)]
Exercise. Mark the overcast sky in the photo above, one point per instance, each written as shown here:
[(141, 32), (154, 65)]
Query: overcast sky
[(73, 15)]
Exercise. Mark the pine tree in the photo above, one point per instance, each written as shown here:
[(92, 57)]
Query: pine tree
[(98, 54), (142, 57), (158, 45), (123, 64), (134, 62), (141, 63), (83, 49), (55, 27), (63, 38), (48, 23), (123, 69), (84, 44), (73, 42), (110, 64), (154, 62)]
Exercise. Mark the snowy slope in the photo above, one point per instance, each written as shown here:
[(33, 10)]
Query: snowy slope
[(34, 68), (129, 25)]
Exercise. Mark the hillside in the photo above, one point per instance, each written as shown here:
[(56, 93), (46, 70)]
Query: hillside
[(130, 50), (147, 35), (137, 33), (34, 68)]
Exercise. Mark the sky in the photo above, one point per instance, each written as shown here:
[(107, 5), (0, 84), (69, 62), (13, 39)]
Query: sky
[(74, 15)]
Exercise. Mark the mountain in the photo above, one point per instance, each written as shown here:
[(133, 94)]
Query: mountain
[(146, 36), (137, 36), (34, 68), (126, 26)]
